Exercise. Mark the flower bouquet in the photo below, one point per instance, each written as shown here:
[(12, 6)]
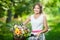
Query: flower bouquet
[(20, 32)]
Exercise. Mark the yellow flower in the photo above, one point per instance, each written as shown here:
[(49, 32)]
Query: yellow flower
[(17, 31)]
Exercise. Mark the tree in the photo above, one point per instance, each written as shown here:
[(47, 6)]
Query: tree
[(20, 7)]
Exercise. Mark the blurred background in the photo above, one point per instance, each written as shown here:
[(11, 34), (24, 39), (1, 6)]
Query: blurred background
[(16, 11)]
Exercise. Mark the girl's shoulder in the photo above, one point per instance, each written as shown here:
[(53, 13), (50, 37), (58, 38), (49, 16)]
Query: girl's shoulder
[(30, 16), (43, 14)]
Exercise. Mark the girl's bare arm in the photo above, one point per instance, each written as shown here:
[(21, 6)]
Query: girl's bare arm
[(45, 25), (26, 21)]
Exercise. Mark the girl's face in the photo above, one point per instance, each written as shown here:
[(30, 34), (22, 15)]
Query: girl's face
[(36, 9)]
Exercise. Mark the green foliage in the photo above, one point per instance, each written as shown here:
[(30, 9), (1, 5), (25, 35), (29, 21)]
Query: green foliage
[(5, 33), (1, 11), (52, 7)]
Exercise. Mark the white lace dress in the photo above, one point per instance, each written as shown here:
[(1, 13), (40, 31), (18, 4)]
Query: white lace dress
[(37, 24)]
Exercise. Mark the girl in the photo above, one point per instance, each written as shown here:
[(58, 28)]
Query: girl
[(38, 22)]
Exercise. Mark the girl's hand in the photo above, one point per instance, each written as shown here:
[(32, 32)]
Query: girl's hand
[(38, 34)]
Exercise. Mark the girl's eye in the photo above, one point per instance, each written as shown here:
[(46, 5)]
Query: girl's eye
[(36, 8)]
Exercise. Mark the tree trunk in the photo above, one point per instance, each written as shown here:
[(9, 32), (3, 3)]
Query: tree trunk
[(9, 15)]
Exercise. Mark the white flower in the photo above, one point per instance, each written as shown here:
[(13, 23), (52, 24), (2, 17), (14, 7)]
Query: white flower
[(15, 26)]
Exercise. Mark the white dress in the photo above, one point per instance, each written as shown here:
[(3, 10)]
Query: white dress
[(37, 24)]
